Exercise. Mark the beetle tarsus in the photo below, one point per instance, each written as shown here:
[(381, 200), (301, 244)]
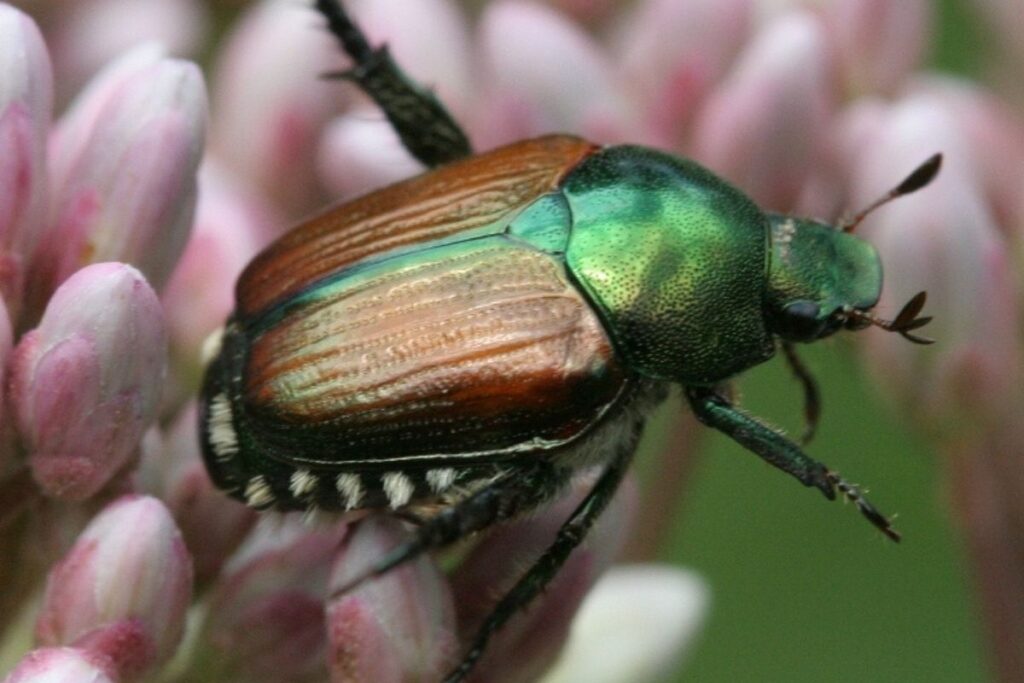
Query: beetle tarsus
[(426, 128), (715, 411), (854, 495)]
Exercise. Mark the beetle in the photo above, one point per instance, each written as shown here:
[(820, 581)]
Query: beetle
[(454, 347)]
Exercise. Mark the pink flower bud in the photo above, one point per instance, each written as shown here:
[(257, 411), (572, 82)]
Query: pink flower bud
[(266, 617), (545, 74), (396, 628), (995, 138), (672, 53), (123, 589), (212, 524), (944, 240), (26, 94), (270, 105), (87, 381), (230, 226), (124, 165), (532, 640), (60, 665), (764, 125), (7, 463), (90, 33), (361, 152), (879, 41)]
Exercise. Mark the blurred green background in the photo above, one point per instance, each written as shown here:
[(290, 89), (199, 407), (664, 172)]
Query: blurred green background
[(804, 590)]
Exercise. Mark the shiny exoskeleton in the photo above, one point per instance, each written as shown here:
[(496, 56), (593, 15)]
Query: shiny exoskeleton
[(455, 346)]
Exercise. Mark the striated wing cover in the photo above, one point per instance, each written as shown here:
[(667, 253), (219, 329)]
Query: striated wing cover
[(479, 347), (461, 197)]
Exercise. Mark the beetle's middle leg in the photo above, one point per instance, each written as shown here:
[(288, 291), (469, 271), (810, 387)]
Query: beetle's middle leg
[(422, 122), (716, 411), (518, 490)]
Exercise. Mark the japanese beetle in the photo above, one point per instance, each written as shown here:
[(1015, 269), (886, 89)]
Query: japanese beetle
[(464, 341)]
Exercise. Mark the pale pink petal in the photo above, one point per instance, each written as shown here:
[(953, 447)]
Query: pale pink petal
[(266, 616), (635, 625), (124, 167), (26, 94), (879, 42), (270, 104), (544, 74), (86, 383), (672, 53), (764, 126), (212, 524), (944, 240), (90, 33), (123, 588), (399, 627), (362, 152), (232, 223)]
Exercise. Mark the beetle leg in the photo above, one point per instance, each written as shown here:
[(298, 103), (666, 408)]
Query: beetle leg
[(812, 397), (422, 122), (570, 535), (515, 492), (716, 411)]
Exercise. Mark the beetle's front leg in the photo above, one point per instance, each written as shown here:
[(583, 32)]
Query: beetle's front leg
[(422, 122), (716, 411)]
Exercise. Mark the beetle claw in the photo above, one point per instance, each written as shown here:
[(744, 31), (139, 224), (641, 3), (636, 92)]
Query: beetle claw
[(870, 512)]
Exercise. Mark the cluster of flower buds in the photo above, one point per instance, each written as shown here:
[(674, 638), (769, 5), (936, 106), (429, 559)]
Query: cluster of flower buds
[(118, 255), (114, 267)]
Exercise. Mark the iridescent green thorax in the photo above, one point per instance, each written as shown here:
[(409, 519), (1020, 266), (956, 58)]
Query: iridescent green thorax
[(813, 263), (674, 259)]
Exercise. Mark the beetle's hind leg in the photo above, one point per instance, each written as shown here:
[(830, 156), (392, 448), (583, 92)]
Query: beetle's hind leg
[(570, 535), (716, 411), (422, 122)]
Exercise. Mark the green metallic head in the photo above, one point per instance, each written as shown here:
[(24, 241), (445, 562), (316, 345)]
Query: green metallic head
[(820, 279)]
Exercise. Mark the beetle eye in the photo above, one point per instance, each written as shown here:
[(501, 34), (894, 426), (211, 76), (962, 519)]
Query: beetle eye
[(800, 321)]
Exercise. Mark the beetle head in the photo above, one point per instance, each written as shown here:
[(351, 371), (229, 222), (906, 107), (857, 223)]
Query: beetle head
[(824, 278), (818, 276)]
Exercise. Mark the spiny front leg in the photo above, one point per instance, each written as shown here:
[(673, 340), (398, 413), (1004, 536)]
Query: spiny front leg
[(422, 122), (716, 411)]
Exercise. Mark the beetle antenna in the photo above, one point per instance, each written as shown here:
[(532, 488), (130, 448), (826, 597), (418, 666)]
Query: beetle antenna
[(921, 176), (904, 323)]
